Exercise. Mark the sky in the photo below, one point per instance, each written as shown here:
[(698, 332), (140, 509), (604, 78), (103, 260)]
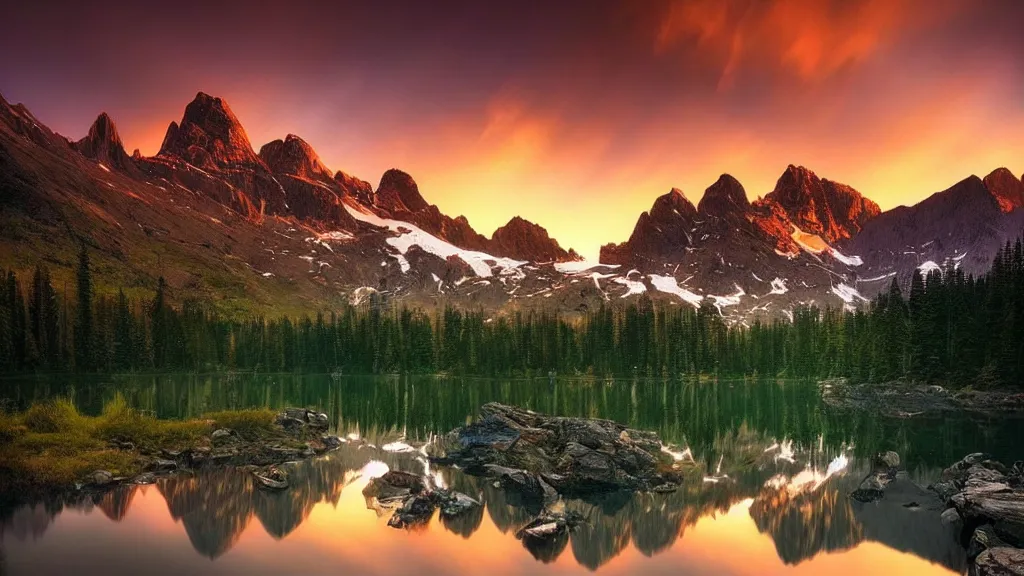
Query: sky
[(574, 114)]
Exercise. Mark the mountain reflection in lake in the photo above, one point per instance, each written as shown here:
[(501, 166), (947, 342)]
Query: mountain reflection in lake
[(766, 494)]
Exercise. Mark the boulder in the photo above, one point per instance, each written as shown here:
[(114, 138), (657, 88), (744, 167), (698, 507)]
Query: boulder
[(415, 510), (453, 503), (220, 435), (162, 465), (887, 460), (491, 432), (318, 420), (528, 485), (394, 485), (273, 479), (983, 538), (1001, 561), (950, 517), (100, 478), (548, 525)]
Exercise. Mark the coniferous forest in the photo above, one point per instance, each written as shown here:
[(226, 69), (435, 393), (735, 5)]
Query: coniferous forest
[(945, 327)]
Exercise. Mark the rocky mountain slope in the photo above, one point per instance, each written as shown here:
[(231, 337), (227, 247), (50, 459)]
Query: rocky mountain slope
[(279, 230)]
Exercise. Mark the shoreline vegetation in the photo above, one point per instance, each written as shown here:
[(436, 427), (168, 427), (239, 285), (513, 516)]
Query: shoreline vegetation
[(950, 329), (52, 449), (907, 398)]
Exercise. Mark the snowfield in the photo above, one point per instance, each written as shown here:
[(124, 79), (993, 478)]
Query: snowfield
[(633, 287), (848, 260), (581, 266), (730, 300), (410, 235), (669, 285), (849, 294)]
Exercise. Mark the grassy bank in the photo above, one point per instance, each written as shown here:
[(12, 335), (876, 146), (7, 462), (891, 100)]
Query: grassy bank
[(52, 446)]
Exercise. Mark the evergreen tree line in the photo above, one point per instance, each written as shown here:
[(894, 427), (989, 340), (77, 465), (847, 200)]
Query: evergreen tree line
[(951, 328)]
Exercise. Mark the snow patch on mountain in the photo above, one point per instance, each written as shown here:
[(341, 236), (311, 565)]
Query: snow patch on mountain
[(809, 242), (877, 278), (779, 286), (581, 266), (597, 276), (730, 300), (928, 267), (849, 294), (848, 260), (669, 285), (410, 235), (632, 286), (360, 294)]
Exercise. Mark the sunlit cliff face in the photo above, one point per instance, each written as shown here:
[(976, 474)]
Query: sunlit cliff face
[(573, 115)]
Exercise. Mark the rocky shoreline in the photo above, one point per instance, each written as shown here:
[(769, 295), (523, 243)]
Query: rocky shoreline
[(907, 399), (296, 434), (980, 501), (541, 462)]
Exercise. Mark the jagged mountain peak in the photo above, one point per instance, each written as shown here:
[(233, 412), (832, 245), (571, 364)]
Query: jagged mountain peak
[(209, 136), (357, 188), (829, 209), (397, 191), (1007, 190), (524, 240), (725, 197), (103, 143), (294, 156), (672, 203), (662, 231)]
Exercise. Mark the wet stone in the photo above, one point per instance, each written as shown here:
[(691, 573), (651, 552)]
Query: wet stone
[(100, 478), (162, 465)]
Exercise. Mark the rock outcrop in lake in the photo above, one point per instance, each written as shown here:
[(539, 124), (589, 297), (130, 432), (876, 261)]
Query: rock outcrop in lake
[(978, 501), (986, 501), (542, 456)]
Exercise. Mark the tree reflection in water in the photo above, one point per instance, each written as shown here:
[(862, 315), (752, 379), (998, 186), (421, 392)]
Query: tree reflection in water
[(762, 444)]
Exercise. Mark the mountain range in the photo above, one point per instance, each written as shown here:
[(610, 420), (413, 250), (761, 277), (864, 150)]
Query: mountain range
[(277, 230)]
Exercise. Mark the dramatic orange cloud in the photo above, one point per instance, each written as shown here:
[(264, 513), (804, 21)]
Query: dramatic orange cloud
[(812, 39), (574, 114)]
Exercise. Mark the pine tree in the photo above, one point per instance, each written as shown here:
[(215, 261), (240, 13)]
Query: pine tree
[(159, 327), (84, 331)]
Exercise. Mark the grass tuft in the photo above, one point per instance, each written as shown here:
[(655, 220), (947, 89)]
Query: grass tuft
[(122, 423), (58, 415), (52, 445), (250, 424)]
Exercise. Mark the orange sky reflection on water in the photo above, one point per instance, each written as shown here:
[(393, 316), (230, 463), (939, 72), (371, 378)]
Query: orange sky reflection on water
[(350, 539)]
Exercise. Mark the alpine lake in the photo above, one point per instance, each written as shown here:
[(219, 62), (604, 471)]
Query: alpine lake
[(773, 496)]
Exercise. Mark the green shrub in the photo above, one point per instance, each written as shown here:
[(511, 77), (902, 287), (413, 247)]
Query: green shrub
[(59, 415)]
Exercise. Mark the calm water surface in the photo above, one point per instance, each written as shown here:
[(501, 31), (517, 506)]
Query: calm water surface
[(772, 469)]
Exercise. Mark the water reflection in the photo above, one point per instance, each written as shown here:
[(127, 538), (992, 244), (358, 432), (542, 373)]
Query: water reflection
[(788, 475), (803, 510)]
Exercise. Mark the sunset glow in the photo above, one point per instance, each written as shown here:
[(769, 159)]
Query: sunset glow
[(575, 116)]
